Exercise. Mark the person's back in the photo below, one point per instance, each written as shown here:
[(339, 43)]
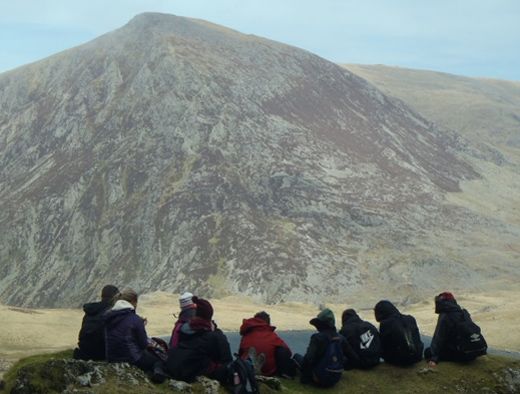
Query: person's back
[(202, 348), (126, 337), (363, 337), (257, 333), (400, 339), (323, 362), (91, 341), (456, 336)]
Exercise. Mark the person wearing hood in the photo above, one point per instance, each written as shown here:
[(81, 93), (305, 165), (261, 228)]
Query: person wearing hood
[(202, 349), (363, 338), (91, 341), (400, 339), (445, 345), (324, 359), (258, 333), (126, 338)]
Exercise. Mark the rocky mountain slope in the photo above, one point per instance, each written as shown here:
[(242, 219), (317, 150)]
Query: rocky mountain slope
[(175, 154)]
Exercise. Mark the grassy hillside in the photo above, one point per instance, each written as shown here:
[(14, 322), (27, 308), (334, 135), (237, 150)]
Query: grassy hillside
[(484, 110), (489, 374)]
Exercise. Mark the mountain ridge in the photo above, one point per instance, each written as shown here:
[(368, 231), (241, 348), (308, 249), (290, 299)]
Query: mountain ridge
[(218, 162)]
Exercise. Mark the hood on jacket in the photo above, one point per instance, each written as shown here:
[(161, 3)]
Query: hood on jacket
[(95, 308), (122, 304), (349, 316), (385, 309), (446, 306), (254, 323), (118, 312)]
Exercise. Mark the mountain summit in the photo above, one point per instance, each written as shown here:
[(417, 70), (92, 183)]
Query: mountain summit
[(176, 154)]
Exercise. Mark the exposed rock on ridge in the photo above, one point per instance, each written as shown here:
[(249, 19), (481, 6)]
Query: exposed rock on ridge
[(175, 154)]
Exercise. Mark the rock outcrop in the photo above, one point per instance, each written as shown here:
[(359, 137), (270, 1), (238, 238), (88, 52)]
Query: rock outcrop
[(175, 154)]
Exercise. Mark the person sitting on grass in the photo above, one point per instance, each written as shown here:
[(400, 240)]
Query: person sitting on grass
[(202, 349), (91, 342), (258, 333), (324, 360), (363, 337), (126, 338), (400, 339), (188, 309), (456, 336)]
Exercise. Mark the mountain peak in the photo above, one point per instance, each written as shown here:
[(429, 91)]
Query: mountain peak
[(176, 25), (173, 154)]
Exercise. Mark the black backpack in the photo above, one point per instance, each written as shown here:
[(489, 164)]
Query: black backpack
[(469, 341), (408, 348), (244, 381), (329, 369)]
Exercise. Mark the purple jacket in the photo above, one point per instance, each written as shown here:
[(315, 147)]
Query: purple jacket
[(125, 335)]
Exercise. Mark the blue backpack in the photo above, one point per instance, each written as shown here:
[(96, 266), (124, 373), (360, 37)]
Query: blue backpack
[(329, 370)]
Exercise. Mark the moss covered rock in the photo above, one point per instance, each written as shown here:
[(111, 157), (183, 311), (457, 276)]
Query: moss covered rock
[(59, 373)]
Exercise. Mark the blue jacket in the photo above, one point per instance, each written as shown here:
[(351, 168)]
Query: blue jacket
[(126, 338)]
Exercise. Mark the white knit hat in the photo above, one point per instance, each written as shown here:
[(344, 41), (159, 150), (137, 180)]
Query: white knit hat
[(186, 301)]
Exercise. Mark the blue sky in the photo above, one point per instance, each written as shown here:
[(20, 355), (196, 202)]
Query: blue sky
[(466, 37)]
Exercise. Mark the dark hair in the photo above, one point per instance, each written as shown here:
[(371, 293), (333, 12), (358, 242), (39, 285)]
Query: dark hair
[(264, 316), (129, 295), (204, 308), (109, 292)]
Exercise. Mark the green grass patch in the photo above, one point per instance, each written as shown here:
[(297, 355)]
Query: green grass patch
[(488, 374)]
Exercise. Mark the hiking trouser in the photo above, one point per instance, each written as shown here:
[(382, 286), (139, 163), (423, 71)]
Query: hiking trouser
[(221, 373), (147, 361), (285, 366)]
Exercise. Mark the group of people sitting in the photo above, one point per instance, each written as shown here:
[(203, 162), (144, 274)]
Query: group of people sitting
[(112, 331)]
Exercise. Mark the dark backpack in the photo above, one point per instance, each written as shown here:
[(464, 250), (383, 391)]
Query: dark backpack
[(158, 347), (408, 347), (329, 369), (469, 341), (244, 380), (369, 349)]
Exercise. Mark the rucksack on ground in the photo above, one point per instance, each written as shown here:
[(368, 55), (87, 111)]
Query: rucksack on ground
[(329, 369), (244, 381), (158, 347), (469, 342)]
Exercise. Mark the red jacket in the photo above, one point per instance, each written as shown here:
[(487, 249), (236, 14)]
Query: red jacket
[(260, 335)]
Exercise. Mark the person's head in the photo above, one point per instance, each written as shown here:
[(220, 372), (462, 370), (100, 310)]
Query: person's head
[(204, 308), (445, 296), (444, 299), (347, 314), (130, 296), (109, 293), (384, 309), (264, 316), (186, 301), (324, 320)]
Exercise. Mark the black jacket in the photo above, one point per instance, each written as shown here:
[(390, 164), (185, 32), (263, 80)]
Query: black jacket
[(202, 348), (316, 350), (391, 323), (363, 338), (443, 342), (91, 343)]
